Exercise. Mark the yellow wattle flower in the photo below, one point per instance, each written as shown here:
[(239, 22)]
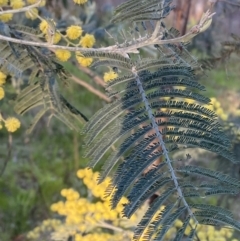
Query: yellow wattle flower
[(63, 55), (2, 93), (2, 75), (55, 40), (12, 124), (73, 32), (109, 76), (2, 78), (80, 1), (6, 17), (64, 192), (81, 173), (16, 4), (87, 41), (3, 2), (32, 13), (43, 26), (84, 61)]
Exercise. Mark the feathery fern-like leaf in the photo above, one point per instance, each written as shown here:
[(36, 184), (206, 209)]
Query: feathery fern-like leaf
[(158, 109)]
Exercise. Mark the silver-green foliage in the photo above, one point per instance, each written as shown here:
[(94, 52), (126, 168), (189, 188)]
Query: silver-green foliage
[(43, 74)]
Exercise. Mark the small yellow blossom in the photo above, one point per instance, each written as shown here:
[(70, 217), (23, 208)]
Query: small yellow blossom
[(54, 207), (109, 76), (178, 223), (224, 117), (64, 192), (2, 78), (42, 4), (43, 26), (32, 13), (2, 75), (80, 173), (16, 4), (84, 61), (80, 1), (55, 40), (73, 32), (2, 93), (12, 124), (3, 2), (6, 17), (62, 55), (87, 41)]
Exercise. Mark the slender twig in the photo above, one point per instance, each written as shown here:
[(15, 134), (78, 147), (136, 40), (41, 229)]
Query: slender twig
[(109, 226), (90, 88), (156, 30), (91, 74), (24, 9), (132, 48)]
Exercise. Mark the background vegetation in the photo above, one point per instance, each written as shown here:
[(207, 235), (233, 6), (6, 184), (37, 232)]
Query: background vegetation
[(40, 169)]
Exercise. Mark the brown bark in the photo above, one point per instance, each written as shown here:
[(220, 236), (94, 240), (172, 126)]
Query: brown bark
[(187, 7), (181, 13)]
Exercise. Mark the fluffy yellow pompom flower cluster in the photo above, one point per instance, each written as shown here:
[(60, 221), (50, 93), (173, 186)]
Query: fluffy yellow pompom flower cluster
[(87, 41), (15, 4), (63, 55), (49, 26), (2, 78), (2, 82), (91, 219), (43, 26), (74, 32), (11, 123), (6, 17), (85, 62), (109, 76)]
